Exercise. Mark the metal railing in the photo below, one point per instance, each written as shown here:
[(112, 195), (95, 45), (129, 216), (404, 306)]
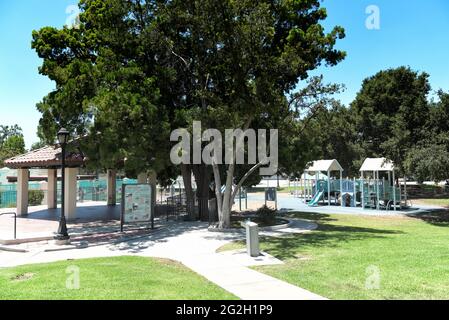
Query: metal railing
[(15, 222)]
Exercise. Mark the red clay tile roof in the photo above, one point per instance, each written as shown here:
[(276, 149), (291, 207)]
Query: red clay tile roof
[(43, 158)]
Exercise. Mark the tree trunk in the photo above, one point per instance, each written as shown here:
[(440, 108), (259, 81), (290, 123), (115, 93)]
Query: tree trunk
[(186, 172), (227, 199), (225, 222), (202, 175), (218, 196)]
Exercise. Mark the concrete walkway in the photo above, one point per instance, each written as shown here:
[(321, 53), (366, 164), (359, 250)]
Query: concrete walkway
[(194, 246)]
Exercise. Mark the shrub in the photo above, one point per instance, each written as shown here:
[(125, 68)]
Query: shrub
[(266, 214), (35, 197)]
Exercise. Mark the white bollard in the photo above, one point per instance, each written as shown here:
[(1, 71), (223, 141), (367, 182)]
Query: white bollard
[(252, 239)]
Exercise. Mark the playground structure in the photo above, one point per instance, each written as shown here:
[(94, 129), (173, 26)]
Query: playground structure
[(320, 188), (377, 187)]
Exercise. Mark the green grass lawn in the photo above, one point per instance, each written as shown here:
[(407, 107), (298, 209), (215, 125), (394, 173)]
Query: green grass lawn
[(340, 258), (108, 278)]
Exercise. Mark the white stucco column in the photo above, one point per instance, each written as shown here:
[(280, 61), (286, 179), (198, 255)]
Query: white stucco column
[(70, 193), (112, 186), (22, 192), (51, 188), (142, 178)]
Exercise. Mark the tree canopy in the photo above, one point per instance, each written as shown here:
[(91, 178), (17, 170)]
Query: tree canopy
[(11, 142), (390, 113)]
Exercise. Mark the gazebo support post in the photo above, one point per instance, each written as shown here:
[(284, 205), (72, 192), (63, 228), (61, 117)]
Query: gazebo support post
[(70, 193), (112, 187), (52, 188), (22, 192), (328, 188)]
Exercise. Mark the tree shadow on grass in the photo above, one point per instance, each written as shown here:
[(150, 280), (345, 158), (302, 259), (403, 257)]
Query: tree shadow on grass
[(327, 235), (317, 217), (436, 217)]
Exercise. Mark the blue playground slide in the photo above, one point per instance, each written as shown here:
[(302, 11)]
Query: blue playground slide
[(316, 198)]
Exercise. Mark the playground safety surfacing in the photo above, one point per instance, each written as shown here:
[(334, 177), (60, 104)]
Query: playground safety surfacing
[(287, 202)]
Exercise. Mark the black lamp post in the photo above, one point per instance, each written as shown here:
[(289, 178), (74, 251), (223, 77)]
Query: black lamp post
[(62, 235)]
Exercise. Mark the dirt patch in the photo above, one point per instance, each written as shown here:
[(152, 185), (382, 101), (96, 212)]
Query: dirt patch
[(23, 276), (302, 257)]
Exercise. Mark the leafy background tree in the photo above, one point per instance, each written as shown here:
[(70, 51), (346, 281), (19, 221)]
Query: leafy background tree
[(428, 160), (390, 113), (11, 142)]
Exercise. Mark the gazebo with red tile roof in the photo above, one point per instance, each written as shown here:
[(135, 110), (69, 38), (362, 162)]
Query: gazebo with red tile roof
[(49, 158)]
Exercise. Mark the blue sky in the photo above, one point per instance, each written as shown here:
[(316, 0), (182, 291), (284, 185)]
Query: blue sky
[(412, 32)]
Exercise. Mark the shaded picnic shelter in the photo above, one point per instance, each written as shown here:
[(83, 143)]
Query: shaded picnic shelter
[(49, 158)]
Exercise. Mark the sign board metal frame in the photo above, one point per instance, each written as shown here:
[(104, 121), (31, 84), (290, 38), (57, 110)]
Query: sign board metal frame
[(122, 213), (243, 193), (273, 191)]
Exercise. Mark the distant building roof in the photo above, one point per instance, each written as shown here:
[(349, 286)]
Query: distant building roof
[(324, 165), (46, 157), (377, 164)]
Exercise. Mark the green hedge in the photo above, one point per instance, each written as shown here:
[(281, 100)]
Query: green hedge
[(35, 197)]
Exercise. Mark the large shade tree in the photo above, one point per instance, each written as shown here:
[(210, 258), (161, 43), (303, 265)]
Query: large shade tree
[(11, 142), (240, 61), (429, 159), (391, 111)]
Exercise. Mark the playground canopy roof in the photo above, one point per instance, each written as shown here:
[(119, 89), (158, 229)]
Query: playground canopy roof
[(324, 165), (377, 164), (308, 176)]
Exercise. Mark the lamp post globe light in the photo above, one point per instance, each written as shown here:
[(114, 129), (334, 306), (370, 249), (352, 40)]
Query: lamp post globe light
[(62, 236)]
